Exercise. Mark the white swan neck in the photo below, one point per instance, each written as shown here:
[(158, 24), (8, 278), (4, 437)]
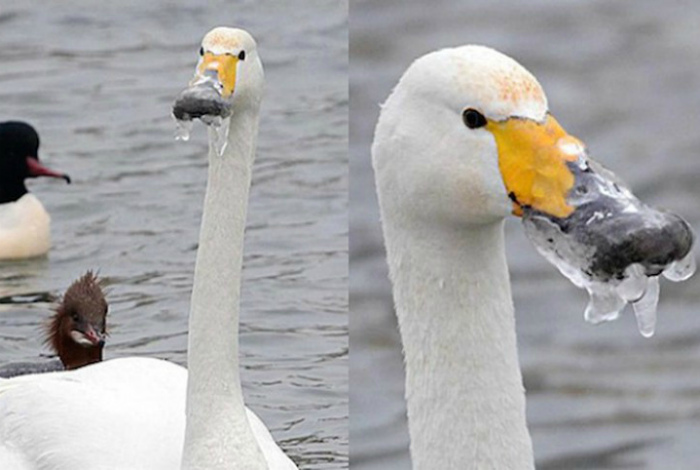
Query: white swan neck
[(218, 435), (466, 402)]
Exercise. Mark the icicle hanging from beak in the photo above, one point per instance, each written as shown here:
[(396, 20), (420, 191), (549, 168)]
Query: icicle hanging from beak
[(612, 245)]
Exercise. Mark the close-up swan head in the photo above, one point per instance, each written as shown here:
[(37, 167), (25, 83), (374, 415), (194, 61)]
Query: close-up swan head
[(449, 112), (228, 75), (466, 138)]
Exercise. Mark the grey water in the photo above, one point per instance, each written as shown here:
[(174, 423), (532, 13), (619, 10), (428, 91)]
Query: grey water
[(624, 77), (98, 82)]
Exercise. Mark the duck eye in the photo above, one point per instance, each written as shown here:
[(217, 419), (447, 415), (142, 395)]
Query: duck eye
[(241, 55), (201, 51), (473, 119), (75, 316)]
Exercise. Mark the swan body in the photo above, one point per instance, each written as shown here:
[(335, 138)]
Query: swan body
[(138, 413), (24, 223), (129, 414), (122, 413)]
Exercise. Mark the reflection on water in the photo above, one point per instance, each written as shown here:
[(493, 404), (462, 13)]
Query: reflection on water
[(625, 79), (98, 85)]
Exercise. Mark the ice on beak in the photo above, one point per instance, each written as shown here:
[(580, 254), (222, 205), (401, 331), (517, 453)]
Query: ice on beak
[(612, 244), (203, 100)]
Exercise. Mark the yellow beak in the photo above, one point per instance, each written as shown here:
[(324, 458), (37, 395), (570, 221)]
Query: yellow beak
[(533, 161), (224, 66)]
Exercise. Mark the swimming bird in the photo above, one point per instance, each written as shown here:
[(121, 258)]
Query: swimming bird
[(75, 333), (149, 413), (24, 223), (464, 140)]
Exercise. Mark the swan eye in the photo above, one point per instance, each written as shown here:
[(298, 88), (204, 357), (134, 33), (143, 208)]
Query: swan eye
[(473, 119), (201, 51), (241, 55)]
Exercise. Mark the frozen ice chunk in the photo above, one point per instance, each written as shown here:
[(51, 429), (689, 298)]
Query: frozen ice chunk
[(645, 308), (633, 286), (605, 303), (182, 129), (203, 100), (612, 244), (681, 270), (219, 127)]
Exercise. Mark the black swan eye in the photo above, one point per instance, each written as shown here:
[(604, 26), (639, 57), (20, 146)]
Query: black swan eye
[(473, 119), (241, 55), (201, 51)]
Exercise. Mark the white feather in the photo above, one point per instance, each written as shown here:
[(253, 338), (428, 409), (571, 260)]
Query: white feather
[(443, 201), (139, 413), (24, 228)]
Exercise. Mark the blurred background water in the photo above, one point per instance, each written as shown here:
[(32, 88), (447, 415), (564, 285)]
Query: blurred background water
[(98, 83), (624, 77)]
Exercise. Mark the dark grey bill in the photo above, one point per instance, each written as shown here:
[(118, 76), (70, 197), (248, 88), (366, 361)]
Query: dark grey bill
[(200, 100), (613, 245), (613, 228)]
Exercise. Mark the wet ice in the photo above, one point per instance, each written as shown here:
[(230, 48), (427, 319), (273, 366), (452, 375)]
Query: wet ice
[(182, 129), (203, 100), (218, 126), (612, 245)]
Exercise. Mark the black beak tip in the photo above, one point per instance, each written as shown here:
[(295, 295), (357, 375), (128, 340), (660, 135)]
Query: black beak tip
[(198, 101), (101, 343), (632, 239), (67, 178), (681, 236)]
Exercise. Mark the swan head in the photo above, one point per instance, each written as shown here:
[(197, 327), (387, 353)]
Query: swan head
[(436, 150), (466, 138), (19, 160), (228, 75), (79, 322)]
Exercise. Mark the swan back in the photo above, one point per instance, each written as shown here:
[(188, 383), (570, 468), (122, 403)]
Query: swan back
[(114, 411)]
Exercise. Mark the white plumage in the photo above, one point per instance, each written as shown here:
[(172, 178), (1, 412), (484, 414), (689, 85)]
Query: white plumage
[(25, 228), (443, 202), (139, 413)]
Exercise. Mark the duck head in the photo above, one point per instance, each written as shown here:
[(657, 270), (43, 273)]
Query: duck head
[(77, 331), (19, 160)]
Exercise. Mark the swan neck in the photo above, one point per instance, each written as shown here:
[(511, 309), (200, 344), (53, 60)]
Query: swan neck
[(218, 435), (465, 398)]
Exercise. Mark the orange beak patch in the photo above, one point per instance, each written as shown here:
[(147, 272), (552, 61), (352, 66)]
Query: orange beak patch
[(225, 66), (532, 158)]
